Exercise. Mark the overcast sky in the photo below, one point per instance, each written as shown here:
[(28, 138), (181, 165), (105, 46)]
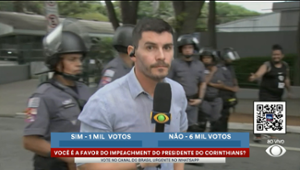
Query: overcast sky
[(258, 6)]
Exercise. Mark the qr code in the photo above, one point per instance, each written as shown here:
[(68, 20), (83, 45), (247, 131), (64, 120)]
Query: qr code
[(269, 118)]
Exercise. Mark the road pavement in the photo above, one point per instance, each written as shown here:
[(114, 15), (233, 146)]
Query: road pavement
[(14, 157)]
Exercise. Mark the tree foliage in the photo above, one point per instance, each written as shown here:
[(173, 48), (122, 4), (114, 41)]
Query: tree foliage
[(186, 13), (95, 10), (181, 15), (72, 8)]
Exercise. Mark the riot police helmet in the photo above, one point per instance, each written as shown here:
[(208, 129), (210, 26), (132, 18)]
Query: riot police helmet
[(70, 43), (123, 38), (229, 54), (187, 40), (209, 53)]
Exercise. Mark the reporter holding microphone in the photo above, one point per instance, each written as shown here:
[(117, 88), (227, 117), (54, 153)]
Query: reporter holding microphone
[(125, 104)]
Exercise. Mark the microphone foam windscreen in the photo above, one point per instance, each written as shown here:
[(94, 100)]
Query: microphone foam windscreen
[(162, 97)]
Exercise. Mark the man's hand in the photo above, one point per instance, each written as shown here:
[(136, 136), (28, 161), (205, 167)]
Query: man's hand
[(194, 102), (252, 77), (235, 89)]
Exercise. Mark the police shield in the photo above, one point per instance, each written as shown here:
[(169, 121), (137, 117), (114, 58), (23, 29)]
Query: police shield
[(230, 54), (53, 41)]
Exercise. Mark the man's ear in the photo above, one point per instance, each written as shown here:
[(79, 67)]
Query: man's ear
[(131, 51)]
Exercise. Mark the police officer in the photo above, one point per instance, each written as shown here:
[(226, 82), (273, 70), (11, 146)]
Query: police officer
[(121, 64), (274, 76), (189, 72), (212, 103), (228, 92), (55, 105)]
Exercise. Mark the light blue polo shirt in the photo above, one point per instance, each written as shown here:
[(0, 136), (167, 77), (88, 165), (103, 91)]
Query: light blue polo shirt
[(123, 106)]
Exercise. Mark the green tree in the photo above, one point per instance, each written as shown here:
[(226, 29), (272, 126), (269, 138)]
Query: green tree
[(20, 6), (225, 12), (164, 11), (186, 13), (212, 24), (73, 8), (112, 14), (91, 16), (6, 6), (128, 11)]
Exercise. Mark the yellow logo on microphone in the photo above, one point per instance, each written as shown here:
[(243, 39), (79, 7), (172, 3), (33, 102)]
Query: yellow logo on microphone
[(160, 117)]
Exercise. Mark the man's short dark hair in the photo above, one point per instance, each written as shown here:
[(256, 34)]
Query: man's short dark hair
[(149, 24), (277, 47)]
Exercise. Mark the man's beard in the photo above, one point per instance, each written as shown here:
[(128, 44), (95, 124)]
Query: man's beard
[(147, 70)]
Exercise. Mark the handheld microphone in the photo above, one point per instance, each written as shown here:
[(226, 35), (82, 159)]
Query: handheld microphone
[(161, 106)]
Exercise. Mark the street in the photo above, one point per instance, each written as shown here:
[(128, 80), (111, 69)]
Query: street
[(14, 157)]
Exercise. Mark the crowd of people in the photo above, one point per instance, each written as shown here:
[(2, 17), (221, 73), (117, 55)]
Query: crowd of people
[(202, 80)]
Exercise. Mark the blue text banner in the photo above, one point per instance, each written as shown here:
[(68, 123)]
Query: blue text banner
[(150, 140)]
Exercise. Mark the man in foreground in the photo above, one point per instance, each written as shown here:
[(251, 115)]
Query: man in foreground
[(125, 104)]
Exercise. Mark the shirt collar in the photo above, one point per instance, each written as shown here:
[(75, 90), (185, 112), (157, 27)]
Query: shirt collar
[(134, 85)]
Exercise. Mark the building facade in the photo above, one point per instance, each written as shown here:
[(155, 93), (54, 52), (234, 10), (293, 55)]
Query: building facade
[(21, 35), (284, 17)]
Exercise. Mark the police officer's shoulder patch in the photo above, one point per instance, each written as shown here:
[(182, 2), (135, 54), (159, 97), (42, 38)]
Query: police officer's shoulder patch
[(105, 80), (30, 115), (109, 73), (33, 102)]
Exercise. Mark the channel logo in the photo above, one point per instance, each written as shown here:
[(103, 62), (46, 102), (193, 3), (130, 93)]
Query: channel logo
[(276, 150)]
